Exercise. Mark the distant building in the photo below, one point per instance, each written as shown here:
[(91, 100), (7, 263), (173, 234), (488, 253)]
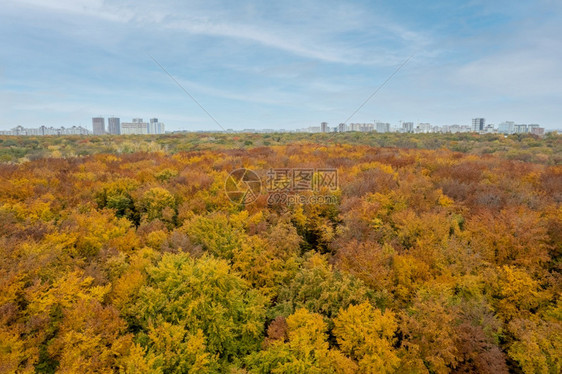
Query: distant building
[(363, 127), (74, 130), (155, 127), (98, 125), (507, 127), (536, 130), (489, 128), (408, 126), (383, 127), (342, 127), (424, 128), (452, 129), (531, 127), (478, 124), (324, 127), (366, 127), (137, 127), (520, 129), (114, 125), (44, 131)]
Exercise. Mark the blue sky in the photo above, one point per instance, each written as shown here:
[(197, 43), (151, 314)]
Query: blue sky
[(287, 64)]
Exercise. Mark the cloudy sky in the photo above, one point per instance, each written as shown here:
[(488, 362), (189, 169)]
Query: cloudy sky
[(285, 64)]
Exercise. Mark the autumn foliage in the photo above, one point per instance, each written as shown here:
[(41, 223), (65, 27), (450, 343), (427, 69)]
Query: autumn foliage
[(433, 261)]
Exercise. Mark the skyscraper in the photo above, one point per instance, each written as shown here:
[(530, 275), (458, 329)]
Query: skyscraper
[(521, 129), (98, 125), (324, 127), (478, 124), (155, 127), (114, 125), (137, 127), (408, 126), (382, 127), (507, 127)]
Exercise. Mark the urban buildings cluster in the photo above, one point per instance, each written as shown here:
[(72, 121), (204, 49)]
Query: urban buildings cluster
[(478, 125), (43, 130), (114, 127), (136, 127)]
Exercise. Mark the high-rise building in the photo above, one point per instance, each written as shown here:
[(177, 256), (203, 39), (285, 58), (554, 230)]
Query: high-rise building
[(366, 127), (489, 128), (137, 127), (155, 127), (324, 127), (98, 125), (382, 127), (355, 127), (408, 126), (478, 124), (424, 128), (44, 130), (114, 125), (507, 127), (520, 129), (342, 127), (532, 126), (536, 130)]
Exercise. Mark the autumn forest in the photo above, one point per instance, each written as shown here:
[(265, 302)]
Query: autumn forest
[(442, 254)]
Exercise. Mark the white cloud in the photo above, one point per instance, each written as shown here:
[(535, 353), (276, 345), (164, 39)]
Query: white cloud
[(93, 8), (239, 55), (526, 64), (309, 36), (514, 75)]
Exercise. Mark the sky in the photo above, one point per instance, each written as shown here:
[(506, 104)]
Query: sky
[(280, 64)]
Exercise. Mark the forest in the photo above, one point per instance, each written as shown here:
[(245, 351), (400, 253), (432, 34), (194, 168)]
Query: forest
[(442, 254)]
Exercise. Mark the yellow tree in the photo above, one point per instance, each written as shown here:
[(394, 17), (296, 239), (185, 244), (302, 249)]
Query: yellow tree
[(306, 350), (366, 335), (159, 203)]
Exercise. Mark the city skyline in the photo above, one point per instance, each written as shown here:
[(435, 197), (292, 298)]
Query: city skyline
[(136, 126), (154, 127), (279, 65)]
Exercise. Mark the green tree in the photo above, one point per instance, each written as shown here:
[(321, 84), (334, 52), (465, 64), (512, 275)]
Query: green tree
[(320, 289), (205, 295), (158, 203)]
